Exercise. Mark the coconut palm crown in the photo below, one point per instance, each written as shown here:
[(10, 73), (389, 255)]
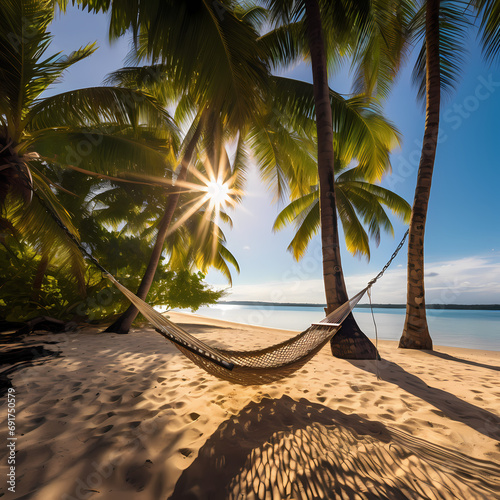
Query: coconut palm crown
[(93, 129)]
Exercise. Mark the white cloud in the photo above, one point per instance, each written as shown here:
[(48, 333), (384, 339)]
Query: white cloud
[(470, 280)]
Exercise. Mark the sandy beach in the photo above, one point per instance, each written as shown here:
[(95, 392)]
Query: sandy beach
[(128, 417)]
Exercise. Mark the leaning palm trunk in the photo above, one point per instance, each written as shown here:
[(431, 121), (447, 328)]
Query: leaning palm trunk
[(124, 322), (350, 342), (416, 332)]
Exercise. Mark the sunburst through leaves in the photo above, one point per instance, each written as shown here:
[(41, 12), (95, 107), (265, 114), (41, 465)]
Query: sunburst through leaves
[(212, 191)]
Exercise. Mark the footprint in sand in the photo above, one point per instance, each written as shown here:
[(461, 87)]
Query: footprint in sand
[(139, 476), (387, 416), (34, 423), (176, 405), (99, 419)]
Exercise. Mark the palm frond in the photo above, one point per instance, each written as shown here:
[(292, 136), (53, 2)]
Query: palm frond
[(285, 45), (241, 164), (154, 79), (383, 44), (290, 213), (91, 107), (307, 226), (488, 12), (356, 239), (197, 38), (454, 23), (39, 229), (361, 130), (110, 152)]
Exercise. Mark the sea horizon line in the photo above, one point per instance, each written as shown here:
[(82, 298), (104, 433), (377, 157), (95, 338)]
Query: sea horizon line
[(479, 307)]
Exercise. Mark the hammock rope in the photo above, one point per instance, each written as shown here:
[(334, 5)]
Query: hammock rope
[(253, 367)]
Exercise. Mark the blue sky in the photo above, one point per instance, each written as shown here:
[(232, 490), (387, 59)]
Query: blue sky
[(462, 243)]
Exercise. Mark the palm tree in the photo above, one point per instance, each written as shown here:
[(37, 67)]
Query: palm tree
[(359, 203), (206, 49), (323, 30), (440, 58), (94, 128), (415, 332), (446, 23), (190, 217)]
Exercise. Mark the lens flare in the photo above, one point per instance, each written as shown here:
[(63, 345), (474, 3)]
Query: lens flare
[(218, 193)]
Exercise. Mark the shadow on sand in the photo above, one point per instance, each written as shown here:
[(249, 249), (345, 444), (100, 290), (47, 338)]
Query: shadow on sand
[(448, 357), (281, 448), (15, 358), (451, 406)]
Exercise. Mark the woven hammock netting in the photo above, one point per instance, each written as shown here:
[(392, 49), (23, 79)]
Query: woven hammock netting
[(254, 367)]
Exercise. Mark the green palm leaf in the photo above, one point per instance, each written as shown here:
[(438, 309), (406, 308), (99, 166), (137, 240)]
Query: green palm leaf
[(361, 131), (356, 239), (110, 153), (359, 203), (382, 45), (307, 226), (199, 38), (488, 12), (455, 21), (93, 106)]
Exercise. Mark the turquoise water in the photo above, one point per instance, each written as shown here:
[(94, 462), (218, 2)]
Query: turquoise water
[(455, 328)]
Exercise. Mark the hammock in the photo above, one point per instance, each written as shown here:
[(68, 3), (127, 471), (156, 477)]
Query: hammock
[(255, 367), (241, 367)]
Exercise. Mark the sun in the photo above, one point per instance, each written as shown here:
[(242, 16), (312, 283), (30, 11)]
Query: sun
[(216, 190), (218, 193)]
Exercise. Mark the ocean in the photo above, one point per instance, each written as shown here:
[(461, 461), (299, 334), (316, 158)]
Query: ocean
[(454, 328)]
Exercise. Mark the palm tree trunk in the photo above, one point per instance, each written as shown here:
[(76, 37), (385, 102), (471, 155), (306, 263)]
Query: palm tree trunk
[(124, 322), (350, 342), (416, 332)]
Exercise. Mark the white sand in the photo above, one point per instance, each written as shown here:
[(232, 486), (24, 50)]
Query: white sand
[(128, 417)]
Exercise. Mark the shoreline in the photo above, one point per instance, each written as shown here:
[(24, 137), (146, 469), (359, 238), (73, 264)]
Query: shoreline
[(127, 417), (452, 307)]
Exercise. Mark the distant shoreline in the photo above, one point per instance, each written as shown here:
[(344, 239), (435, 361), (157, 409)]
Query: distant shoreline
[(469, 307)]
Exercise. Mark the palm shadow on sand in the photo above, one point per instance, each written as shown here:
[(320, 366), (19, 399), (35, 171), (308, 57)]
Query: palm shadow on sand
[(282, 448), (449, 357), (451, 406)]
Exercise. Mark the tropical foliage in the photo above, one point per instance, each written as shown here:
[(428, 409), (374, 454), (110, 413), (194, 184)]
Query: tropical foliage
[(98, 132), (120, 173), (58, 298), (361, 209), (93, 128)]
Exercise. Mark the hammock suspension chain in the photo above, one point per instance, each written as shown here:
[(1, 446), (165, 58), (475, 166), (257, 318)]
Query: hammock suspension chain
[(389, 262)]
